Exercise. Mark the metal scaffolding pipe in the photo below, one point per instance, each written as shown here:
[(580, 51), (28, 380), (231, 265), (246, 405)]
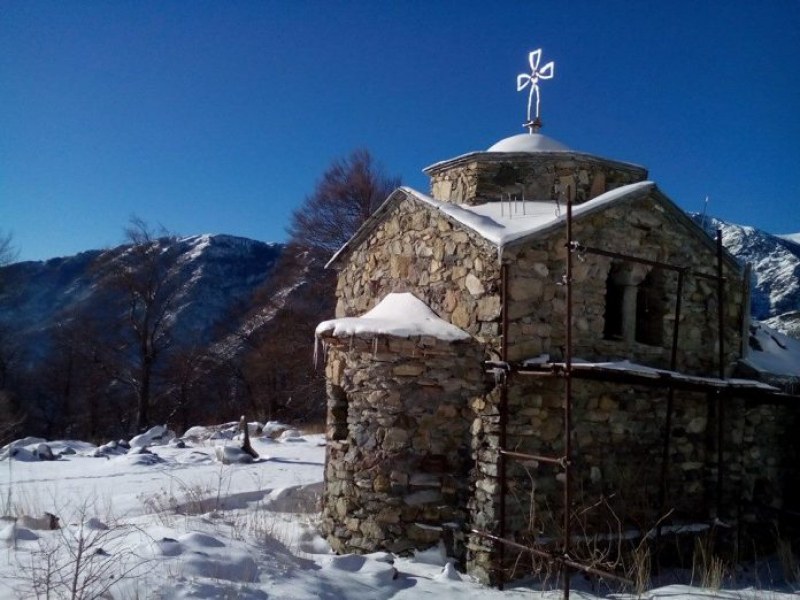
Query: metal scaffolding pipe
[(663, 491), (720, 404), (553, 557), (568, 403), (553, 460), (643, 261), (503, 409)]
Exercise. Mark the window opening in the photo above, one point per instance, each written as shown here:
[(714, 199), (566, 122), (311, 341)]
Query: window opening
[(614, 312), (650, 310)]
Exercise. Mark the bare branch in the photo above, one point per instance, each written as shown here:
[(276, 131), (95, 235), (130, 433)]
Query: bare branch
[(346, 195)]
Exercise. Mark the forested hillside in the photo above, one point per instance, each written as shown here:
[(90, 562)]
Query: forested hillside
[(165, 329)]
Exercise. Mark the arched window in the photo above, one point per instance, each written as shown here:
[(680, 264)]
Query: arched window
[(650, 309), (614, 312), (635, 305)]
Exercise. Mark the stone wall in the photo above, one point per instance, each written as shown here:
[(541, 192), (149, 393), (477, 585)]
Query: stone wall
[(618, 434), (618, 443), (405, 416), (488, 177), (417, 249), (644, 228), (398, 457), (456, 272), (762, 481)]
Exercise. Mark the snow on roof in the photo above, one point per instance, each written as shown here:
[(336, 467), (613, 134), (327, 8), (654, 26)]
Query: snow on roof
[(541, 147), (529, 142), (773, 352), (398, 314), (651, 372), (502, 223)]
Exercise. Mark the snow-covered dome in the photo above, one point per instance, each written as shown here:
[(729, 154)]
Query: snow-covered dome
[(529, 142)]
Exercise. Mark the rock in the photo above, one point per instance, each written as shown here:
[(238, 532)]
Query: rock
[(228, 455), (44, 452), (47, 522), (154, 436), (474, 285)]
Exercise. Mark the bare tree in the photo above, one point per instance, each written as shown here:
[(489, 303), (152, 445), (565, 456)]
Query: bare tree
[(344, 197), (277, 367), (8, 253), (145, 273), (188, 370), (11, 415), (69, 386)]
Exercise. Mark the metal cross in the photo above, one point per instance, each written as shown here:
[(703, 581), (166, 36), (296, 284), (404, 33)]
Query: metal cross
[(524, 80)]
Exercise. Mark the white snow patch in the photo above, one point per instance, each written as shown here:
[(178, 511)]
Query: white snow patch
[(155, 435), (199, 243), (449, 573), (398, 314), (773, 352), (792, 237), (528, 142), (137, 525), (655, 373), (504, 222)]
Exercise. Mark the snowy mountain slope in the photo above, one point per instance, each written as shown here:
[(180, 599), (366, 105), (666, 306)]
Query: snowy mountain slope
[(792, 237), (773, 354), (213, 274), (775, 260), (787, 323)]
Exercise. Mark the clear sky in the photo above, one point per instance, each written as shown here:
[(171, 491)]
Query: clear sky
[(218, 117)]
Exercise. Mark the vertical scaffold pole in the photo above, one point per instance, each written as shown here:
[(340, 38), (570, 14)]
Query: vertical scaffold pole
[(503, 424), (663, 491), (568, 403), (720, 396)]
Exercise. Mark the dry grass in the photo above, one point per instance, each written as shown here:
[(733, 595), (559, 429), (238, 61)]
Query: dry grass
[(788, 561), (313, 428), (708, 569)]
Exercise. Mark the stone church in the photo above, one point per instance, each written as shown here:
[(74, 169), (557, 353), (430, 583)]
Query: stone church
[(448, 351)]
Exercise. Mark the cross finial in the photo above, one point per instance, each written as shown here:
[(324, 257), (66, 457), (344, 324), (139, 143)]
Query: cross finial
[(524, 80)]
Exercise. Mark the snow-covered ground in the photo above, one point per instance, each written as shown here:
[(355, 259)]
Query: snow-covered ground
[(174, 522)]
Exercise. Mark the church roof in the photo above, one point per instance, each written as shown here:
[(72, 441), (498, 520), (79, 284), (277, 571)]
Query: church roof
[(500, 223), (505, 224), (528, 142)]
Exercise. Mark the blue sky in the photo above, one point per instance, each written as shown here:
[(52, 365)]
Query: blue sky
[(218, 117)]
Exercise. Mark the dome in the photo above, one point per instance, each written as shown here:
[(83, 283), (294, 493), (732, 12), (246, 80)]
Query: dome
[(529, 142)]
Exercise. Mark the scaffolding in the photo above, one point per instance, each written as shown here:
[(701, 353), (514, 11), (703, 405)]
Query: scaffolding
[(716, 388)]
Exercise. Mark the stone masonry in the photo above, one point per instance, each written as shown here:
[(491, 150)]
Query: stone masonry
[(487, 176), (399, 457), (414, 423)]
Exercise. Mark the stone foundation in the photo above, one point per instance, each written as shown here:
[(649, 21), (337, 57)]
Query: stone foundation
[(618, 437)]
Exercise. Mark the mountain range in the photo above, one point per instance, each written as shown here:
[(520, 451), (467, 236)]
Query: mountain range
[(775, 263), (214, 275), (239, 325), (218, 274)]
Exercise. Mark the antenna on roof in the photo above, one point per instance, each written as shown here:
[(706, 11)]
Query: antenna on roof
[(703, 217), (524, 80)]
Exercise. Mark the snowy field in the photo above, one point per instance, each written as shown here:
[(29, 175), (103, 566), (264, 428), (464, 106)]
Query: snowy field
[(164, 521)]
